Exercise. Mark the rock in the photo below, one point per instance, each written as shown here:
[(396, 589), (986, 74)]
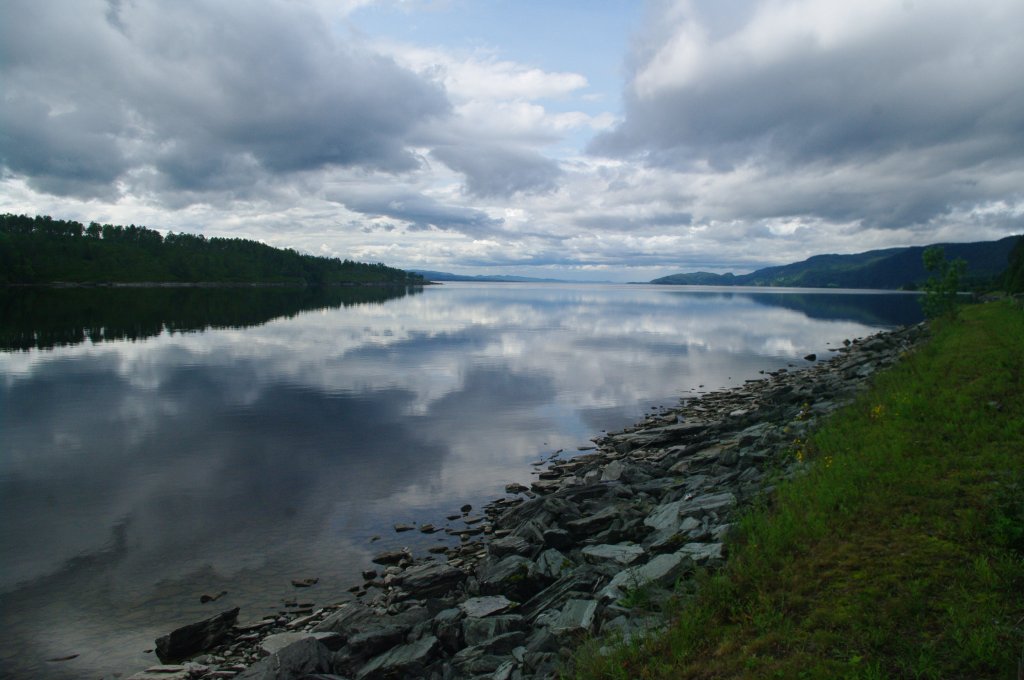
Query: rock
[(510, 545), (369, 574), (374, 641), (447, 628), (431, 579), (703, 553), (623, 553), (348, 620), (478, 631), (660, 571), (164, 672), (400, 662), (516, 487), (551, 563), (391, 557), (304, 582), (811, 357), (612, 471), (203, 599), (557, 538), (278, 641), (512, 576), (479, 607), (404, 527), (195, 638), (466, 508), (576, 617), (297, 659), (592, 524)]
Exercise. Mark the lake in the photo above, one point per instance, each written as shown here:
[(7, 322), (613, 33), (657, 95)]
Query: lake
[(157, 445)]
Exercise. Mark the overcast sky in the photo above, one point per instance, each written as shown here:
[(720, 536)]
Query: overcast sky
[(599, 139)]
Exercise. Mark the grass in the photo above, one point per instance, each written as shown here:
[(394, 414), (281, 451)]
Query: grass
[(899, 555)]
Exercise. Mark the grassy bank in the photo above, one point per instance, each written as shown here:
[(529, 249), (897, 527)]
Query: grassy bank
[(899, 555)]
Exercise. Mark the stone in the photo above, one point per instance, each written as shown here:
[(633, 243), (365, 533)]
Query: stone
[(478, 631), (278, 641), (612, 471), (811, 357), (703, 553), (622, 553), (510, 545), (516, 487), (557, 538), (374, 641), (403, 661), (576, 617), (512, 576), (195, 638), (391, 557), (661, 570), (592, 524), (348, 620), (479, 607), (431, 579), (297, 659), (304, 582), (163, 672), (551, 563), (447, 628)]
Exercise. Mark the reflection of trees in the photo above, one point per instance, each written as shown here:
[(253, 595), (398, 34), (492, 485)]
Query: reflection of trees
[(46, 318), (869, 309)]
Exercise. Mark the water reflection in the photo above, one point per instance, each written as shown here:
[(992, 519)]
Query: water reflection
[(136, 476), (45, 318)]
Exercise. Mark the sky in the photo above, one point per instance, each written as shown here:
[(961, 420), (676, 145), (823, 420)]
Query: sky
[(603, 140)]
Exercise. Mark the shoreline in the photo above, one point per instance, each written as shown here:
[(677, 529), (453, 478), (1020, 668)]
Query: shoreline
[(585, 549)]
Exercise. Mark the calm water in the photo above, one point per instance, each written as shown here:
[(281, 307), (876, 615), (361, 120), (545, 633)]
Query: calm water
[(158, 445)]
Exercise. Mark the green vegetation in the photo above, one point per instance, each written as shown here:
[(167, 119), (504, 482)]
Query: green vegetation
[(892, 269), (1014, 279), (40, 250), (943, 286), (899, 555)]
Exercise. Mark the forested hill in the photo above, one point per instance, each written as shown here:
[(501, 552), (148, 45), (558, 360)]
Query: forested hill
[(36, 250), (893, 268)]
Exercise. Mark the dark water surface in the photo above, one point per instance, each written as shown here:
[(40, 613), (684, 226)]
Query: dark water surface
[(158, 445)]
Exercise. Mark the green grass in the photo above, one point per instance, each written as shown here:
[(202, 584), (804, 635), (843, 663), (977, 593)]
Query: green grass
[(899, 555)]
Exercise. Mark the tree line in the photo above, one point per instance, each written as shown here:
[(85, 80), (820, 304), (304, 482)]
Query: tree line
[(41, 249)]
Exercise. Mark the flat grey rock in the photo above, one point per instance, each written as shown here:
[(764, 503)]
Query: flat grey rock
[(479, 607), (622, 553)]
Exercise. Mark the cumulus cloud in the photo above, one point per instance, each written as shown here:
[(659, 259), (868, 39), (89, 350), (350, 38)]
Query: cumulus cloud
[(195, 96), (494, 170), (889, 113), (417, 210)]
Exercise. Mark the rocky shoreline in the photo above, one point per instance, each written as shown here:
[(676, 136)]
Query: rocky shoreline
[(592, 547)]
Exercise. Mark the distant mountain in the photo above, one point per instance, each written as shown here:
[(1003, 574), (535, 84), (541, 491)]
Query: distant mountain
[(892, 268), (483, 278)]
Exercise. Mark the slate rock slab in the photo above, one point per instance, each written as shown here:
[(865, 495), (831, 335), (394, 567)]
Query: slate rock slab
[(195, 638)]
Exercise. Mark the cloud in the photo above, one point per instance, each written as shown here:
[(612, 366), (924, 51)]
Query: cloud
[(197, 96), (892, 114), (495, 170), (418, 211)]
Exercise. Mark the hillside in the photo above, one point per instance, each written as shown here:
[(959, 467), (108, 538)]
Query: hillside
[(892, 268), (42, 250)]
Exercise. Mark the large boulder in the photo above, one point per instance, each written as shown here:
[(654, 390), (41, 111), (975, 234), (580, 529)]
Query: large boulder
[(195, 638)]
